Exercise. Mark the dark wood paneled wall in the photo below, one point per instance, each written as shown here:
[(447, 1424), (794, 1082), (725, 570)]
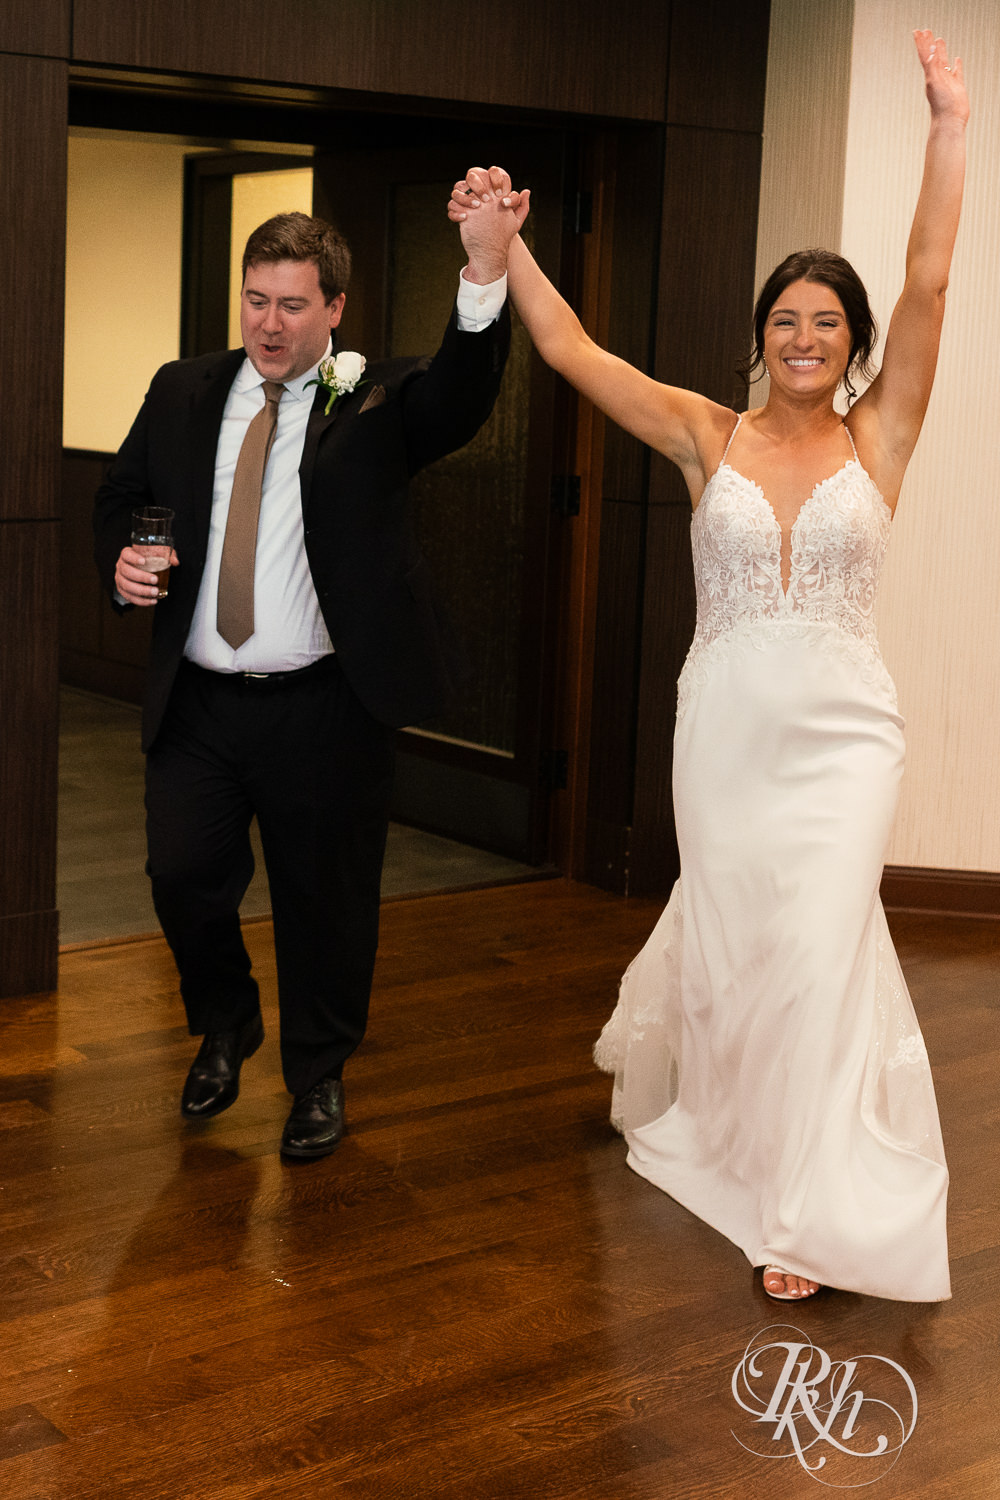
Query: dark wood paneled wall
[(630, 288), (711, 186), (704, 298), (39, 27), (99, 650), (33, 211), (718, 64), (696, 65), (590, 58)]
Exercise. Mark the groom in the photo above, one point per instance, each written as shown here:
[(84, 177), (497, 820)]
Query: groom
[(298, 633)]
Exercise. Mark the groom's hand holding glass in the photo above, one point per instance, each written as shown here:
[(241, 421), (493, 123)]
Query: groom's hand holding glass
[(137, 581)]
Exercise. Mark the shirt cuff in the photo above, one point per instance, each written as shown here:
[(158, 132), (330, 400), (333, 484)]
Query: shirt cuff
[(479, 306)]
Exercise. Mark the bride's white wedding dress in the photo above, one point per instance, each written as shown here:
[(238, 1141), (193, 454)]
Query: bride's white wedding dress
[(770, 1071)]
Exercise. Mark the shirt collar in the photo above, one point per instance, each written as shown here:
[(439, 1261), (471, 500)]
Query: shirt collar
[(249, 378)]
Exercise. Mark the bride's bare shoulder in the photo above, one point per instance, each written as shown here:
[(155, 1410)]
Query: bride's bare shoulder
[(711, 425)]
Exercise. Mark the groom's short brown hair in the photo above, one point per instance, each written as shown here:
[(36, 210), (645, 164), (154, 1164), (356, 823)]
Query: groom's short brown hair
[(299, 237)]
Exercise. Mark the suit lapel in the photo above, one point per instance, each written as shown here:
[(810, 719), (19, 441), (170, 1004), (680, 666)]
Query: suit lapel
[(208, 402), (316, 426)]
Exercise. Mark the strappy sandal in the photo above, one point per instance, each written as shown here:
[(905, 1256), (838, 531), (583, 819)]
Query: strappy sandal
[(785, 1296)]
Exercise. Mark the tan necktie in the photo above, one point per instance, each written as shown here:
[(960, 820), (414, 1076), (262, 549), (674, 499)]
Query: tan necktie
[(234, 611)]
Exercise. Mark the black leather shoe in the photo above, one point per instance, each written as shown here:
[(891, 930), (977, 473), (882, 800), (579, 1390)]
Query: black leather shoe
[(316, 1122), (214, 1080)]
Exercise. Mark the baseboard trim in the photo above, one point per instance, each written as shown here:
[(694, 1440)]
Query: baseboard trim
[(956, 893), (29, 945)]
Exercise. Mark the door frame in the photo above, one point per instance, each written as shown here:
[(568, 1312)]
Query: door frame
[(568, 592)]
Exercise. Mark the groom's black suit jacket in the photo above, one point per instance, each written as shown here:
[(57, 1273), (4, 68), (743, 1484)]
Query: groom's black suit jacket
[(369, 575)]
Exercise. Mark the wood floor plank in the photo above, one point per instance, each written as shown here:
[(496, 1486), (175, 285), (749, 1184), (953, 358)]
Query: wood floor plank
[(473, 1299)]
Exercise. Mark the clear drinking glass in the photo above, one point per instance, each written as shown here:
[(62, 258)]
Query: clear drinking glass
[(153, 536)]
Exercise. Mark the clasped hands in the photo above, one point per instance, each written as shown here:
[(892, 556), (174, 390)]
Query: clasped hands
[(490, 213)]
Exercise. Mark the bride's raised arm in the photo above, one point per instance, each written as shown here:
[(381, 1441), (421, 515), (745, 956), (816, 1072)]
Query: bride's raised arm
[(681, 424), (889, 415)]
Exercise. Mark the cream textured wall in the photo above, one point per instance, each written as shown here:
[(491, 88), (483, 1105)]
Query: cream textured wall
[(123, 268), (123, 280), (939, 615), (258, 196), (805, 128)]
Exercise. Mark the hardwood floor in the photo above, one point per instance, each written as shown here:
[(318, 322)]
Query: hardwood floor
[(101, 889), (473, 1298)]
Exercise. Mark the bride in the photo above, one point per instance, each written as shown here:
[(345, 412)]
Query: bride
[(769, 1069)]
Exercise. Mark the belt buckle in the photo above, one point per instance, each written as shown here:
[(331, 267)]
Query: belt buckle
[(257, 676)]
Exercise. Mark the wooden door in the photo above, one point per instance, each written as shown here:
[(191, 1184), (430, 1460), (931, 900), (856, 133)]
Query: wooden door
[(484, 771)]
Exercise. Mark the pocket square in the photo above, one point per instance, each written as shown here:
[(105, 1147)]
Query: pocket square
[(375, 397)]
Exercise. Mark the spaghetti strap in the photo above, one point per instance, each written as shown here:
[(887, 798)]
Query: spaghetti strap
[(849, 439), (739, 419)]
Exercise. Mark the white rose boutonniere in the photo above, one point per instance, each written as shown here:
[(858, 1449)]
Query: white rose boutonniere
[(340, 374)]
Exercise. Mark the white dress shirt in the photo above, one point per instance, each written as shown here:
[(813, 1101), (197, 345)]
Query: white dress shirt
[(289, 631)]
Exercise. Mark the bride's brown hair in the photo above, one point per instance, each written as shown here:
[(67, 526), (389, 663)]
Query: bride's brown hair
[(826, 268)]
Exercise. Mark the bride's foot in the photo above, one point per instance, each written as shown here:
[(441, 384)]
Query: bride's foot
[(783, 1286)]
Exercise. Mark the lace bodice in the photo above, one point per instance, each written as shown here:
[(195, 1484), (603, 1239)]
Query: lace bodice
[(838, 544)]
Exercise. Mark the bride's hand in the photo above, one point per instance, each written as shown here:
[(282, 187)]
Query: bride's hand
[(489, 214), (491, 189), (944, 81)]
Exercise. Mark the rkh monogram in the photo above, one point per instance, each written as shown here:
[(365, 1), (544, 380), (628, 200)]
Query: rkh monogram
[(812, 1402)]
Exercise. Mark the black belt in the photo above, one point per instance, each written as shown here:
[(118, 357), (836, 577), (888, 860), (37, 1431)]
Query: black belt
[(266, 681)]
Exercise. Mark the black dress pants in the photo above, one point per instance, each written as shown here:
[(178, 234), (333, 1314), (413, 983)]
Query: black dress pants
[(316, 769)]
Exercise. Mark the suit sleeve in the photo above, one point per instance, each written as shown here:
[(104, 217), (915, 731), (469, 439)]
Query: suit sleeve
[(448, 401), (126, 488)]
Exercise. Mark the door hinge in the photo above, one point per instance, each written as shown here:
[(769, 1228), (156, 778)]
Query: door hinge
[(580, 212), (565, 494), (555, 770)]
